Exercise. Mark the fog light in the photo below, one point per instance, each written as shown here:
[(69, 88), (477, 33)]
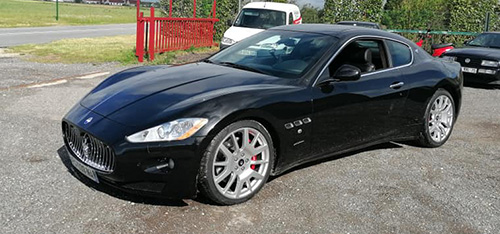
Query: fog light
[(487, 71)]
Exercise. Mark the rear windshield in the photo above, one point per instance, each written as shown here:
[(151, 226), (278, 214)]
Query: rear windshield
[(260, 18)]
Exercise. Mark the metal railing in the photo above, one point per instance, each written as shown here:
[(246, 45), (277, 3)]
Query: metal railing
[(163, 34)]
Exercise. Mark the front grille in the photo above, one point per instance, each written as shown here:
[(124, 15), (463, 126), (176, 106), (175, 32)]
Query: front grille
[(474, 62), (88, 149)]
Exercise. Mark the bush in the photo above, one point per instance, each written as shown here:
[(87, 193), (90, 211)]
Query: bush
[(358, 10)]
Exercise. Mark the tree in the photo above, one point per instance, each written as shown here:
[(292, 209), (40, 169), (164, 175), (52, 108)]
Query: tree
[(470, 15), (310, 14), (358, 10), (180, 8), (226, 10), (371, 10)]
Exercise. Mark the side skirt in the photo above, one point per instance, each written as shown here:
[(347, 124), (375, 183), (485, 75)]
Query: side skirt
[(281, 170)]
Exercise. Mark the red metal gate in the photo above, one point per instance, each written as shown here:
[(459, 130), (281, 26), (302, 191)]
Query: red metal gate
[(162, 34)]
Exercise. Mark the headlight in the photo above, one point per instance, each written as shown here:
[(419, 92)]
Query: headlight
[(488, 63), (227, 41), (172, 131), (450, 58)]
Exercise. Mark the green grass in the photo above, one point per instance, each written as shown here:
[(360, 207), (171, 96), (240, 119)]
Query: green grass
[(96, 50), (27, 13)]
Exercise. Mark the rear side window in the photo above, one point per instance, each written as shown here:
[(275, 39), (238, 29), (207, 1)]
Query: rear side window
[(400, 53)]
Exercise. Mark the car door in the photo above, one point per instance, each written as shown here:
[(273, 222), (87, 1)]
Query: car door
[(352, 113), (402, 58)]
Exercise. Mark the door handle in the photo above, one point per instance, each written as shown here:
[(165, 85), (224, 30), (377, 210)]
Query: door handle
[(396, 85)]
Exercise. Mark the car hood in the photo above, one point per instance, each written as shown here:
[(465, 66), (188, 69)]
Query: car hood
[(240, 33), (475, 52), (154, 89)]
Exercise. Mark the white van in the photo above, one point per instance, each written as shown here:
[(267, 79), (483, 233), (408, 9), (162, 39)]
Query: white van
[(256, 17)]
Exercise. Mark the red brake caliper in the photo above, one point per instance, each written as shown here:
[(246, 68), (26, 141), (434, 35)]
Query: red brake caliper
[(254, 158)]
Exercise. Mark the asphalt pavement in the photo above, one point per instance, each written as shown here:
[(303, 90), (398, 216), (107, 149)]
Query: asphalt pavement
[(390, 188), (37, 35)]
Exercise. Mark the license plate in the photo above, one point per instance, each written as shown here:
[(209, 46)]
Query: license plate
[(469, 70), (87, 171)]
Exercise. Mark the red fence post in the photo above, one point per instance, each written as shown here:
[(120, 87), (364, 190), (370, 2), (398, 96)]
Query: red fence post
[(214, 8), (170, 10), (139, 40), (152, 27), (194, 8)]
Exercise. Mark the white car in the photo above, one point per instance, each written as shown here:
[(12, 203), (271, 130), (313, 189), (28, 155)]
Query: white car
[(256, 17)]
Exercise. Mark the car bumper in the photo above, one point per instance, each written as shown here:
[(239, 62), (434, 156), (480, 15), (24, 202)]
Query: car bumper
[(480, 78), (166, 169)]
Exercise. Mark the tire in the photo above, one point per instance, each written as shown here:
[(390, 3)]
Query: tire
[(439, 119), (232, 172)]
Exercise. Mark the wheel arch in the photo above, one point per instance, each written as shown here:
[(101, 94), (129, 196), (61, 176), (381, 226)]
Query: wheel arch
[(455, 93), (261, 117)]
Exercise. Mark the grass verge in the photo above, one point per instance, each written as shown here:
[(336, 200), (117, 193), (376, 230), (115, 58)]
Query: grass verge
[(27, 13), (101, 50)]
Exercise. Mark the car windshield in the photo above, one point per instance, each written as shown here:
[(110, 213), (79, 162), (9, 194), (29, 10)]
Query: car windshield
[(283, 54), (486, 40), (260, 18)]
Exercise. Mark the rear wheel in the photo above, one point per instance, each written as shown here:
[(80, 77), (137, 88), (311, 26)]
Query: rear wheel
[(237, 163), (439, 119)]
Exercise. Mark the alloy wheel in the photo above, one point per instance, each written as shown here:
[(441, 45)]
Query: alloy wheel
[(241, 163), (441, 118)]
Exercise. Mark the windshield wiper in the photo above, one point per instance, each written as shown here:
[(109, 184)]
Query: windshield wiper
[(243, 67), (206, 61)]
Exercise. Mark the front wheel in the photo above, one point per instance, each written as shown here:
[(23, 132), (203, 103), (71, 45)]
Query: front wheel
[(237, 163), (439, 119)]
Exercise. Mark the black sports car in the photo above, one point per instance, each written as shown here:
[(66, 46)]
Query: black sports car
[(480, 59), (283, 97)]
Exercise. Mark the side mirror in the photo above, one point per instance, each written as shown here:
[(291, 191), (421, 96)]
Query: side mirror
[(466, 42), (229, 23), (347, 73)]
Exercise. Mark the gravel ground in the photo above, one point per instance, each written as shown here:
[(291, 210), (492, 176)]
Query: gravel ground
[(15, 71), (390, 188)]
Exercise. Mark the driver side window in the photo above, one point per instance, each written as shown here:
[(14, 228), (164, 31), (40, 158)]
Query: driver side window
[(366, 54)]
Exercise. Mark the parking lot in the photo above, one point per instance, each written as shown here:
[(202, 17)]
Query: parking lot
[(390, 188)]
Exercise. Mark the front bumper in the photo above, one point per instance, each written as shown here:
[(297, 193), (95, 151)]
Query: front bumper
[(165, 169), (479, 78)]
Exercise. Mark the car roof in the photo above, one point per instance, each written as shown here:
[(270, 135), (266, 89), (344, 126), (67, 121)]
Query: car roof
[(272, 6), (340, 31), (356, 22)]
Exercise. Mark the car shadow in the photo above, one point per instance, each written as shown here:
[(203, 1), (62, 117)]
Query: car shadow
[(389, 145), (120, 194), (146, 199)]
